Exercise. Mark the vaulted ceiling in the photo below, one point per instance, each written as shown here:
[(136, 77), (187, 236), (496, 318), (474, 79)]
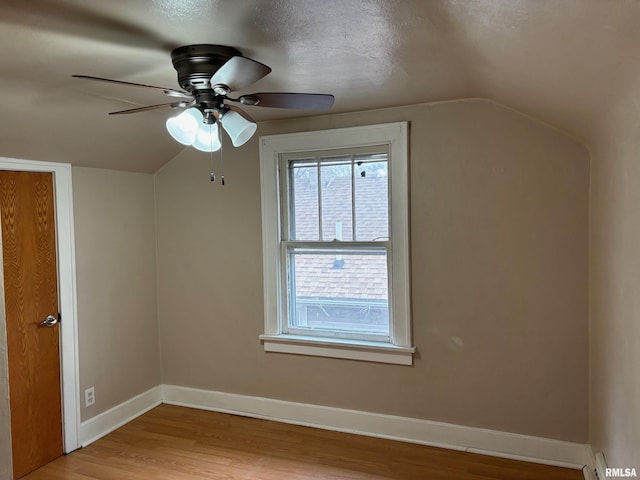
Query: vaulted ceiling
[(562, 61)]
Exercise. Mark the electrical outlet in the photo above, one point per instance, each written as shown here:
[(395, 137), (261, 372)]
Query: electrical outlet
[(89, 397)]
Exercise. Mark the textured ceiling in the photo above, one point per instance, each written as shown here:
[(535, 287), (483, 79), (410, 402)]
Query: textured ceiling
[(563, 61)]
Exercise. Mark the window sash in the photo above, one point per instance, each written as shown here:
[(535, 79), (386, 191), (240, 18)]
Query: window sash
[(316, 159), (288, 248)]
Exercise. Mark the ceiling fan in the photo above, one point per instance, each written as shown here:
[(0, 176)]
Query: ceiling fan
[(207, 75)]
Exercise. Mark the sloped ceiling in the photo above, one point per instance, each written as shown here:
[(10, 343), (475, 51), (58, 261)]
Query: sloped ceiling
[(563, 61)]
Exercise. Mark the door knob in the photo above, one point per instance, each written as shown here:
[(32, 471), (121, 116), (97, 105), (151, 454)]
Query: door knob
[(50, 321)]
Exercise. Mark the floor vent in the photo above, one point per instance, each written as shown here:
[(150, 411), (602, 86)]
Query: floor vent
[(601, 466)]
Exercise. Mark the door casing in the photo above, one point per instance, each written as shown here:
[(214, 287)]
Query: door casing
[(63, 199)]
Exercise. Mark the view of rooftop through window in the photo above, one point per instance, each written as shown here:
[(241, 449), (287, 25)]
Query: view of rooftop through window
[(339, 233)]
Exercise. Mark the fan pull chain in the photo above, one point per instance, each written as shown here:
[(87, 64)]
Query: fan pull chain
[(212, 175), (221, 156)]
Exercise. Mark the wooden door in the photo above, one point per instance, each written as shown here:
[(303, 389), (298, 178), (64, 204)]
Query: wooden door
[(31, 294)]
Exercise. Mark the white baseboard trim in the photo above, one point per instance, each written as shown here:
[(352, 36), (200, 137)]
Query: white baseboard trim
[(106, 422), (425, 432)]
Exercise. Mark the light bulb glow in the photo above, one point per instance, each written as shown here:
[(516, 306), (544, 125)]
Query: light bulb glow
[(206, 139), (184, 127)]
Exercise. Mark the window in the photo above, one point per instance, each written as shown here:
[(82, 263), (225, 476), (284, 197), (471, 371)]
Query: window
[(335, 243)]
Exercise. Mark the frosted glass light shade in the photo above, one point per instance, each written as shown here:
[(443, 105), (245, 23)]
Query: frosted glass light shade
[(184, 127), (207, 138), (239, 128)]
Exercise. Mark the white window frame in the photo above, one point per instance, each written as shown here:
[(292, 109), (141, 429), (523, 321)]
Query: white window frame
[(399, 349)]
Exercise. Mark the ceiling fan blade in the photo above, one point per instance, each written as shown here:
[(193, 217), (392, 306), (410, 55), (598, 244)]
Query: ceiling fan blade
[(152, 107), (239, 72), (302, 101), (167, 91)]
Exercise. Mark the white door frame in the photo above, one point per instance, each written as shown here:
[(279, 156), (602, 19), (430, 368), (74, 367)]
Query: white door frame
[(67, 290)]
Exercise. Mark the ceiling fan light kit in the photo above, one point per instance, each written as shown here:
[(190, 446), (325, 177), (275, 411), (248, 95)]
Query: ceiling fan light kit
[(208, 74), (239, 128), (184, 127), (207, 138)]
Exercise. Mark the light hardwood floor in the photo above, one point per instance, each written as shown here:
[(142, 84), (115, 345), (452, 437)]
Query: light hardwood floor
[(171, 443)]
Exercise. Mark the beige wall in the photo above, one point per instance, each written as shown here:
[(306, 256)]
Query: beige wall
[(116, 275), (615, 288), (499, 231)]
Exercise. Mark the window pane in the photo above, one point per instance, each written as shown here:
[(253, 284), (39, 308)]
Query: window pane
[(335, 178), (304, 200), (371, 198), (340, 290)]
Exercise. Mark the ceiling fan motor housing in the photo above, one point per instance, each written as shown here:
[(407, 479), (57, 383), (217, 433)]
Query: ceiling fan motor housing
[(196, 64)]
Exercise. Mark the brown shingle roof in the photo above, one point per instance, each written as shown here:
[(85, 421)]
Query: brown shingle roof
[(356, 276), (371, 204)]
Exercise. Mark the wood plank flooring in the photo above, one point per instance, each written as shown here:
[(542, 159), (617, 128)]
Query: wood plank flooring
[(171, 443)]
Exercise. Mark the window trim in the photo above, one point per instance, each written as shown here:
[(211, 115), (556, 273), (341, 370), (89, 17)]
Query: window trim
[(399, 350)]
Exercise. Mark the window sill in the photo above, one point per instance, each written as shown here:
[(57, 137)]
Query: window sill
[(338, 348)]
